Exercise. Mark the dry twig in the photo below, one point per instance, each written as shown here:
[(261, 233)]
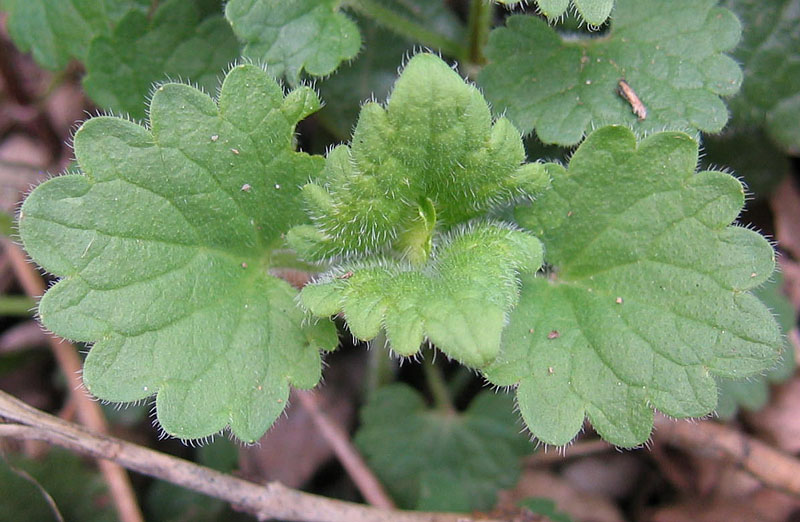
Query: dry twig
[(770, 466), (88, 411), (266, 502), (363, 477)]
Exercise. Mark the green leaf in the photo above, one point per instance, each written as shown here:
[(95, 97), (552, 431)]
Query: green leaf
[(648, 293), (441, 461), (770, 55), (165, 243), (302, 35), (670, 54), (433, 144), (753, 394), (459, 300), (57, 31), (176, 43), (78, 492), (168, 502), (594, 12), (372, 74), (547, 507)]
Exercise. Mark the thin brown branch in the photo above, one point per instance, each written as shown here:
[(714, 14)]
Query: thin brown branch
[(363, 477), (770, 466), (266, 502), (88, 411)]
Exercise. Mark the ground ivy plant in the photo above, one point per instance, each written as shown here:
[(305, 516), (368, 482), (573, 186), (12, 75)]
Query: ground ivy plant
[(604, 287)]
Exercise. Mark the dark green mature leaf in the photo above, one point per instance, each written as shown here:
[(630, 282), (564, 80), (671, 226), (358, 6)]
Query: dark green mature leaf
[(178, 42), (770, 54), (302, 35), (56, 31), (433, 145), (648, 296), (547, 507), (165, 244), (167, 502), (77, 491), (753, 394), (670, 53), (437, 460), (459, 301), (373, 73)]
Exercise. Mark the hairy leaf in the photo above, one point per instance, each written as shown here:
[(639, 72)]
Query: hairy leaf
[(177, 42), (595, 12), (56, 31), (460, 300), (302, 35), (437, 460), (165, 241), (753, 394), (374, 71), (669, 53), (770, 54), (648, 295), (431, 157)]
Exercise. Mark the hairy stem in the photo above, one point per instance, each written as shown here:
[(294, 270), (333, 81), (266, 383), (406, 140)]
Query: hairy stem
[(437, 385), (380, 370), (479, 23), (408, 28), (16, 305)]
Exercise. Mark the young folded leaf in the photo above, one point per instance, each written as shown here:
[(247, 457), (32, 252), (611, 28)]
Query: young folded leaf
[(417, 172), (648, 296), (594, 12), (671, 54), (432, 156), (164, 242), (459, 300)]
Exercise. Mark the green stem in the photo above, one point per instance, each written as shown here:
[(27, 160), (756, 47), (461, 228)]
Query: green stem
[(480, 20), (437, 385), (16, 305), (153, 8), (380, 370), (408, 28)]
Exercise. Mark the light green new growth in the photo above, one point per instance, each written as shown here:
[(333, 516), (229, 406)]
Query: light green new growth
[(460, 300), (648, 296), (418, 170), (594, 12), (291, 37), (434, 144), (177, 43), (57, 31), (165, 242), (770, 54), (441, 461), (669, 53)]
